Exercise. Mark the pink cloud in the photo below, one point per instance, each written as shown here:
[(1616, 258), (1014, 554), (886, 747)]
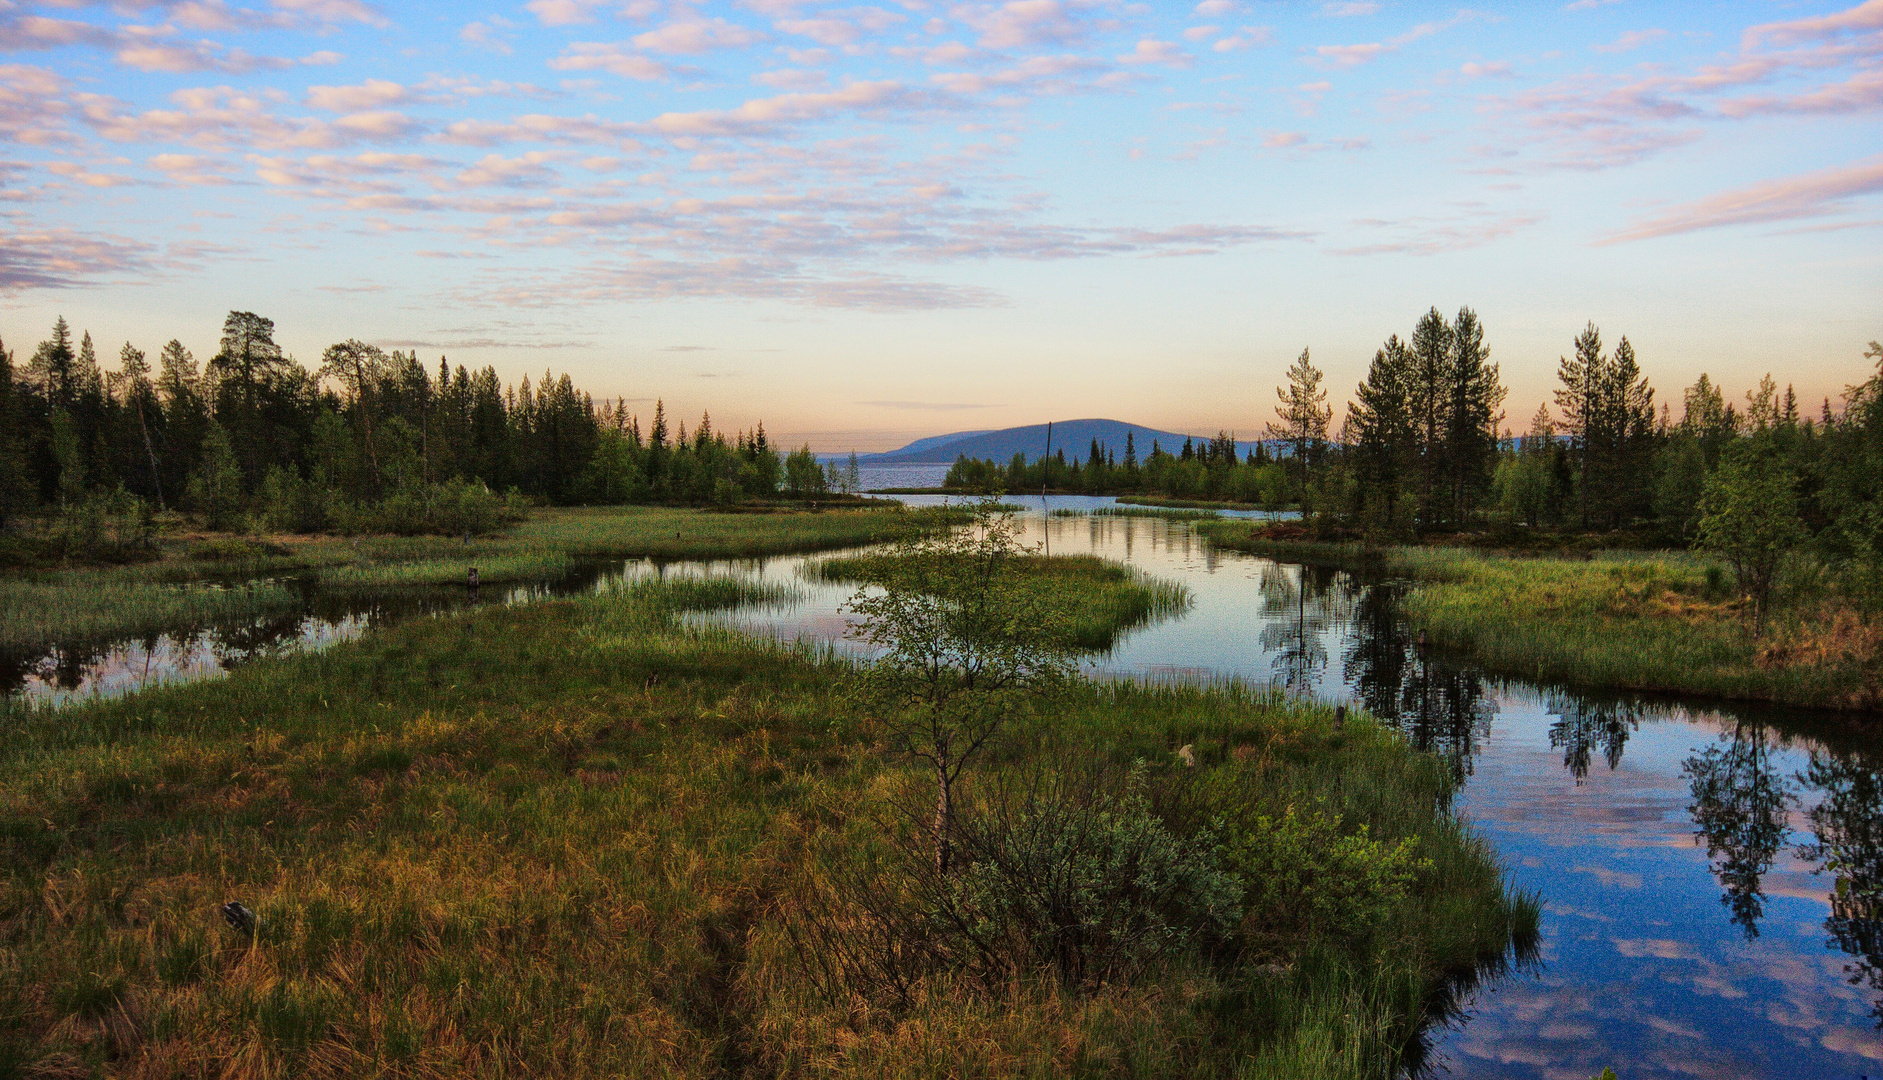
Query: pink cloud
[(1865, 16), (762, 114), (39, 32), (1631, 40), (840, 28), (195, 56), (217, 15), (561, 12), (1862, 92), (1247, 38), (334, 11), (539, 127), (698, 36), (364, 95), (32, 105), (1816, 194), (1025, 23), (1152, 51), (62, 259), (612, 58)]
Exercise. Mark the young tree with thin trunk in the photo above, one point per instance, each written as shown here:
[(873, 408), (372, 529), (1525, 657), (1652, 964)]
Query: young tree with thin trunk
[(962, 640), (1749, 516)]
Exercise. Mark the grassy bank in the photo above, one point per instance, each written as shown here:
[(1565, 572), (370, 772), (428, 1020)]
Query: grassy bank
[(33, 613), (1649, 621), (38, 609), (579, 839), (1099, 601)]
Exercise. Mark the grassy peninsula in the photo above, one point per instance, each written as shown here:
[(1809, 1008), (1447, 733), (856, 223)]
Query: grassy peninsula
[(39, 607), (1647, 621), (579, 838)]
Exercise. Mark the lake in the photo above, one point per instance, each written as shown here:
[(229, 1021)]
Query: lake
[(1711, 874)]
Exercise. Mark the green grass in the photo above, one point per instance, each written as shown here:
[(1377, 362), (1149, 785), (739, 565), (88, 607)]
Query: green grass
[(36, 612), (47, 607), (1138, 512), (1188, 504), (1167, 513), (574, 838), (1646, 621), (1100, 600)]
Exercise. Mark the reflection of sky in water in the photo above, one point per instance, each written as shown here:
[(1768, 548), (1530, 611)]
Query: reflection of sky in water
[(1642, 967)]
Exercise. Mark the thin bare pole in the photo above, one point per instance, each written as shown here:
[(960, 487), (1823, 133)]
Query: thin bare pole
[(1046, 462)]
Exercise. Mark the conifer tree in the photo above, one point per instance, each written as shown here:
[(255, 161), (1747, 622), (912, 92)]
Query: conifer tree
[(1303, 414), (1473, 396)]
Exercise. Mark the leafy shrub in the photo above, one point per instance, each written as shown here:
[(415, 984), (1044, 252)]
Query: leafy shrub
[(1085, 883), (1069, 876), (1304, 877), (452, 508)]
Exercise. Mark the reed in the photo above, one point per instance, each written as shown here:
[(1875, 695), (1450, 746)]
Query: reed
[(35, 612), (573, 839), (1166, 513)]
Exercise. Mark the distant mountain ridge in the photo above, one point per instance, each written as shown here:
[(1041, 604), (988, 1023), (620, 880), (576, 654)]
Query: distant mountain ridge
[(1073, 436)]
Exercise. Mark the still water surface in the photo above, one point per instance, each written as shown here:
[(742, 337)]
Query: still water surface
[(1710, 873)]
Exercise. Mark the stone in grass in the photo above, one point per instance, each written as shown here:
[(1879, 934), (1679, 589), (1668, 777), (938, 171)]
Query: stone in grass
[(240, 918)]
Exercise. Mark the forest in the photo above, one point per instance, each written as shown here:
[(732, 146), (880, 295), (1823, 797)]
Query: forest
[(1425, 450), (375, 441), (367, 441)]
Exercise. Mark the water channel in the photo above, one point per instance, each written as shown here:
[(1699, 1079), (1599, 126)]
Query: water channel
[(1710, 872)]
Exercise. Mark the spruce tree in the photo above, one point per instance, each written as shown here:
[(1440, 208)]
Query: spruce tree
[(1303, 414), (1471, 415), (1428, 387), (1381, 437)]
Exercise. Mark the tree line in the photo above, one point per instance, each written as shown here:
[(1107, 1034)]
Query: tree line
[(1424, 449), (367, 440)]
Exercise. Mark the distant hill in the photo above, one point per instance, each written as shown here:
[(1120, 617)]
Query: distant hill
[(1073, 436)]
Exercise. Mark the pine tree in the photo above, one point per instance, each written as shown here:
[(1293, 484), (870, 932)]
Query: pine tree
[(1303, 414), (1381, 437), (1428, 386), (52, 368), (1471, 417)]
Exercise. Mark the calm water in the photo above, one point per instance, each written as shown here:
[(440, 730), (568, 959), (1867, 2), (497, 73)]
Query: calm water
[(1711, 875)]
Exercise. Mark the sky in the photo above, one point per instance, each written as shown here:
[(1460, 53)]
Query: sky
[(863, 223)]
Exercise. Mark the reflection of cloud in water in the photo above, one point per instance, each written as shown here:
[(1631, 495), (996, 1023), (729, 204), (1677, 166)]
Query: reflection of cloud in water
[(1660, 949), (1614, 879)]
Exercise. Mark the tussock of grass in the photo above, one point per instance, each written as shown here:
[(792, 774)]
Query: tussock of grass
[(518, 566), (1627, 620), (571, 839), (1100, 600), (35, 612), (1190, 504), (1167, 513)]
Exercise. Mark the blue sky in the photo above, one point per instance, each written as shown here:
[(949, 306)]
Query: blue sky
[(866, 222)]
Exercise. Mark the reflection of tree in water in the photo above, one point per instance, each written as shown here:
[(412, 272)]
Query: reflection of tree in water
[(1849, 827), (1583, 726), (1739, 808), (1296, 615), (1440, 707)]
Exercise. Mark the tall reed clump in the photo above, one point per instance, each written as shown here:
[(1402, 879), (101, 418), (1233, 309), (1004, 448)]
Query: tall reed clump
[(1165, 513), (584, 837), (34, 613)]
